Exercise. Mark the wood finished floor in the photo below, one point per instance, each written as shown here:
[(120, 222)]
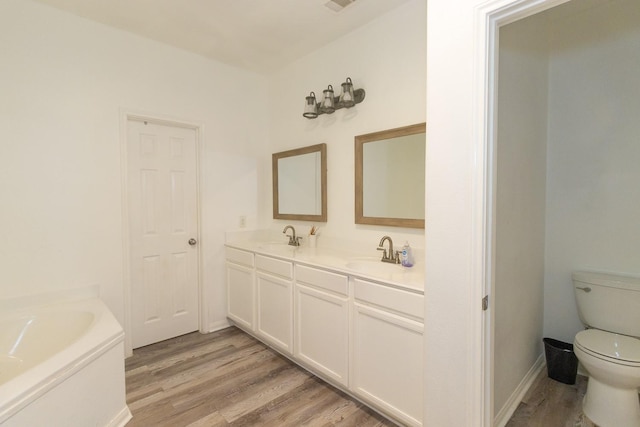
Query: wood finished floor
[(549, 403), (228, 378)]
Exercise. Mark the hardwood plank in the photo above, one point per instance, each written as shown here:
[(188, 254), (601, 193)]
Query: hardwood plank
[(214, 383), (295, 406), (228, 378), (551, 403), (261, 393), (211, 420), (314, 403)]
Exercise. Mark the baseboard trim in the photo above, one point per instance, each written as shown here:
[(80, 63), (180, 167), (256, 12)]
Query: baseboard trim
[(123, 417), (219, 325), (505, 414)]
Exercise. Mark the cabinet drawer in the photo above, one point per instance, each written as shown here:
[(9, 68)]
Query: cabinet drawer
[(334, 282), (239, 257), (275, 266), (391, 298)]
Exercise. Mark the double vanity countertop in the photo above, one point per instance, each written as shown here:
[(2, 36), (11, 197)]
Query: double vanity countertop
[(340, 260)]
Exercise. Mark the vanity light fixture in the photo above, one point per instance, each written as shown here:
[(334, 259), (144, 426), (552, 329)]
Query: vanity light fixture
[(310, 107), (346, 97), (330, 103), (327, 105)]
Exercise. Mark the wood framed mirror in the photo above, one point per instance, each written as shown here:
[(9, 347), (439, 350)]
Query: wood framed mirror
[(390, 174), (300, 183)]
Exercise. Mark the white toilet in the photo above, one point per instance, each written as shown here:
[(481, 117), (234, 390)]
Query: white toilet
[(610, 350)]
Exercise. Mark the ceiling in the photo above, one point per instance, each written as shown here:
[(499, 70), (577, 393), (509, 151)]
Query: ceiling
[(259, 35)]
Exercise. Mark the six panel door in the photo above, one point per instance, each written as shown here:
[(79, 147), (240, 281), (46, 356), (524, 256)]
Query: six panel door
[(162, 196)]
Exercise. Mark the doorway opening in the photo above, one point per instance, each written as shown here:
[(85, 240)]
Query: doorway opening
[(560, 155)]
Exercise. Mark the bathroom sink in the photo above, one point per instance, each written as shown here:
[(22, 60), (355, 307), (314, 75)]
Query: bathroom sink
[(374, 266), (276, 247)]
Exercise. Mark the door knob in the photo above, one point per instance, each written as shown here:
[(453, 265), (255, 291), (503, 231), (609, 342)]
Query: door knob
[(193, 242)]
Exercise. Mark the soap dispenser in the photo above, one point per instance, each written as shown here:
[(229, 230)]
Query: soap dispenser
[(407, 255)]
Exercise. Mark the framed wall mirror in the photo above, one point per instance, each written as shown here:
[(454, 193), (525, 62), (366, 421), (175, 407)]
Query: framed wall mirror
[(300, 184), (390, 176)]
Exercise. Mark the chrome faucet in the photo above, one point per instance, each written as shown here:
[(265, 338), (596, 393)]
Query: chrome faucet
[(293, 240), (391, 257)]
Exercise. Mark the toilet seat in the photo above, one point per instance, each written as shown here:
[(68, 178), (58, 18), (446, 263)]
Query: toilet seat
[(615, 348)]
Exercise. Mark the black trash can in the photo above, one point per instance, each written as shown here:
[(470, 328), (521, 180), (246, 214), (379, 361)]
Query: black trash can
[(562, 363)]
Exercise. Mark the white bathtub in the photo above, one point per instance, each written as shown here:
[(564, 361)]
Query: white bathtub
[(61, 364)]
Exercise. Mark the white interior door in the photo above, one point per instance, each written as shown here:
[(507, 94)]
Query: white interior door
[(163, 226)]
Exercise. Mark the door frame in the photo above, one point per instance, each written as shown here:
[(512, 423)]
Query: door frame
[(488, 18), (131, 115)]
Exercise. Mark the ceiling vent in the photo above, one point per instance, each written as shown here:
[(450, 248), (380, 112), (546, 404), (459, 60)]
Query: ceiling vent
[(338, 5)]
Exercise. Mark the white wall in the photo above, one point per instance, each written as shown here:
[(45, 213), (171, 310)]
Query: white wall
[(593, 196), (387, 58), (63, 82), (453, 316), (520, 204)]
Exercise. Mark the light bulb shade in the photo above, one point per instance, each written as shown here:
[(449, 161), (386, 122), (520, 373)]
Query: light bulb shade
[(310, 107), (327, 105), (347, 99)]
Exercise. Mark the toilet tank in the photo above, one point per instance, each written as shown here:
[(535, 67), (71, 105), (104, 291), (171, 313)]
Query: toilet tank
[(608, 302)]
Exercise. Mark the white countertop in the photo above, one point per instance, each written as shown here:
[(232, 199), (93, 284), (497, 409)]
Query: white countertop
[(340, 260)]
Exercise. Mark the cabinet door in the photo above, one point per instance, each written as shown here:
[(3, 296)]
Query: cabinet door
[(387, 362), (322, 332), (275, 311), (240, 295)]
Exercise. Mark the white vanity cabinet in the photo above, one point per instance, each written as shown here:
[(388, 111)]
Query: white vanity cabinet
[(240, 287), (322, 322), (274, 284), (387, 341), (362, 335)]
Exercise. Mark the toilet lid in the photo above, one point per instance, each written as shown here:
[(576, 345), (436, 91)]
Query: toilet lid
[(608, 344)]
